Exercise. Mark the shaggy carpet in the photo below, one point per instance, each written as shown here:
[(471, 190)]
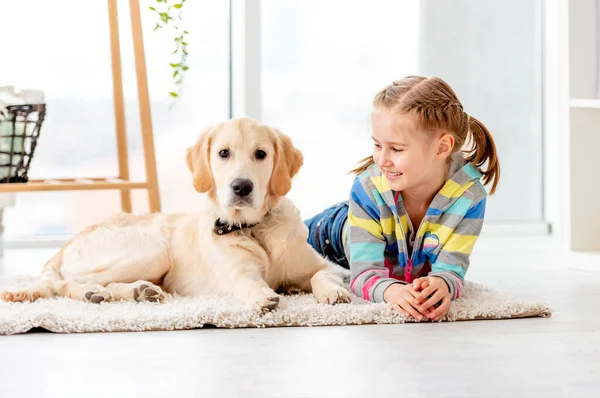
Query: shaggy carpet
[(63, 315)]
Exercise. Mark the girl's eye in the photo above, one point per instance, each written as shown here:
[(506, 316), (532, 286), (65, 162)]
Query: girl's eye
[(260, 154), (397, 150), (377, 145), (224, 153)]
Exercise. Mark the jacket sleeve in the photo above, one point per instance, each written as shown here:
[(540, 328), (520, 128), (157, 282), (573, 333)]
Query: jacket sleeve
[(453, 260), (367, 244)]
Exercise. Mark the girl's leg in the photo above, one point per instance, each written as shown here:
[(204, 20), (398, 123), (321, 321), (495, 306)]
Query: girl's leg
[(325, 233), (336, 234)]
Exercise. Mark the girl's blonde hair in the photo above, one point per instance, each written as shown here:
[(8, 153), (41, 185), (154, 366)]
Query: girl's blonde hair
[(436, 107)]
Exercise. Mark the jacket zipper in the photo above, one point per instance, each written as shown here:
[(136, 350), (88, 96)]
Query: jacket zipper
[(416, 245), (409, 265)]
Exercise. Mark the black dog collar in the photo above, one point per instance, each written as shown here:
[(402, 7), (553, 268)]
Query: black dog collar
[(222, 228)]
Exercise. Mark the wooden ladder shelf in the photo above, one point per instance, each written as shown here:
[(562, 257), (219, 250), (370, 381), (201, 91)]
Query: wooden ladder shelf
[(122, 182)]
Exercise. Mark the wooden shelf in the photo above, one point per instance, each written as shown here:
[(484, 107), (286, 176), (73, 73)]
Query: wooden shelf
[(585, 103), (73, 184), (122, 182)]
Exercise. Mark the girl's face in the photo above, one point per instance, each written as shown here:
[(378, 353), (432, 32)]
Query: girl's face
[(408, 157)]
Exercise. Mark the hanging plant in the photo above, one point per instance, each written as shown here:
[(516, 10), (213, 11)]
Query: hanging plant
[(170, 13)]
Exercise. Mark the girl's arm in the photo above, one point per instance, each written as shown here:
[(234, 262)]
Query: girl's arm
[(367, 244), (453, 260)]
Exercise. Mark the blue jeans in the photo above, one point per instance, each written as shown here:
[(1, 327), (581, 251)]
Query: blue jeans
[(325, 233)]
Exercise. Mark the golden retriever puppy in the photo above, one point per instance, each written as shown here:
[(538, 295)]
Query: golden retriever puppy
[(247, 241)]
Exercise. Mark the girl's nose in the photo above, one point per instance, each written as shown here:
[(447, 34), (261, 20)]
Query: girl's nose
[(384, 160)]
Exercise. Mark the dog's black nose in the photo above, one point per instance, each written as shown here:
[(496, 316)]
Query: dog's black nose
[(241, 187)]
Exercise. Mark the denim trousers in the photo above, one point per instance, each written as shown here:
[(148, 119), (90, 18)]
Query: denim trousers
[(325, 231)]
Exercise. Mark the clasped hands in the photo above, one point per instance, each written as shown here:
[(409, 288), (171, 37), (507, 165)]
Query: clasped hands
[(428, 296)]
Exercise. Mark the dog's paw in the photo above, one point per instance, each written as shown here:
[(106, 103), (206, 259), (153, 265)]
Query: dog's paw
[(264, 299), (97, 294), (335, 295), (147, 291)]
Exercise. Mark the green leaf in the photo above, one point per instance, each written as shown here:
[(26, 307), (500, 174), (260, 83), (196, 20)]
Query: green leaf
[(178, 5), (185, 32), (175, 73), (175, 52), (185, 68), (184, 43), (174, 94), (175, 65), (152, 8), (156, 27), (164, 17)]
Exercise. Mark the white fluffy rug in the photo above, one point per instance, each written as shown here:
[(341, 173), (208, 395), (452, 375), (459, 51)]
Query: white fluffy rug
[(62, 315)]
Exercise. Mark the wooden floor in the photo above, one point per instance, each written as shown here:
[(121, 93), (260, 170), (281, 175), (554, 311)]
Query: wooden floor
[(555, 357)]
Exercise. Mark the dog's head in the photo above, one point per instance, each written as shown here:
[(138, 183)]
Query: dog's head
[(242, 163)]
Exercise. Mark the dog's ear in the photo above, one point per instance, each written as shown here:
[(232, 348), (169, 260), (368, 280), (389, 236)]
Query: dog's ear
[(198, 161), (287, 162)]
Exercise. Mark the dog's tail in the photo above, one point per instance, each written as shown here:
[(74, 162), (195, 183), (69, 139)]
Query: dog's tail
[(43, 287)]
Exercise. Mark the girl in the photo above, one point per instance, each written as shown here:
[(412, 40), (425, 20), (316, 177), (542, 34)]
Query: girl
[(417, 204)]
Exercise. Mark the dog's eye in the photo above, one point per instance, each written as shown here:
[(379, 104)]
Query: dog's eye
[(224, 153), (260, 154)]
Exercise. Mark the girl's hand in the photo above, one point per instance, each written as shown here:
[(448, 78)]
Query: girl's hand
[(402, 298), (432, 291)]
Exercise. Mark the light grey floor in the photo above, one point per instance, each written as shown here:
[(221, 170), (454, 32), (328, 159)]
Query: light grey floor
[(555, 357)]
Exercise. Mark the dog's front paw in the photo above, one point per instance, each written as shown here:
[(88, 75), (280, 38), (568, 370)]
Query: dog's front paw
[(334, 295), (264, 299)]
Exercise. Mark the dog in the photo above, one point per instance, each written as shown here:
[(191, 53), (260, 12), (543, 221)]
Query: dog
[(247, 241)]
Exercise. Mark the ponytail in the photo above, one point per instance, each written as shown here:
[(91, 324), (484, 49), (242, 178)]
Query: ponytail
[(363, 165), (481, 150)]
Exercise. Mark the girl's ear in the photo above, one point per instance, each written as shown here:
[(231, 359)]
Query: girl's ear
[(445, 145)]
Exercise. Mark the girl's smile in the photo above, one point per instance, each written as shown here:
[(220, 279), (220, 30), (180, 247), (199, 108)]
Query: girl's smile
[(391, 175)]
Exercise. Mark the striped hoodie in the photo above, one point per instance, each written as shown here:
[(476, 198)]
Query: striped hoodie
[(377, 231)]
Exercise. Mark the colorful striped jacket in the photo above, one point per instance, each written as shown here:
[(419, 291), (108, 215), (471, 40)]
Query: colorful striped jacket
[(376, 232)]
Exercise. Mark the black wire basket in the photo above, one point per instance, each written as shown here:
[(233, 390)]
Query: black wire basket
[(19, 132)]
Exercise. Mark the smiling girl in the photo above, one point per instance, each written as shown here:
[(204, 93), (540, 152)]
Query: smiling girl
[(417, 204)]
